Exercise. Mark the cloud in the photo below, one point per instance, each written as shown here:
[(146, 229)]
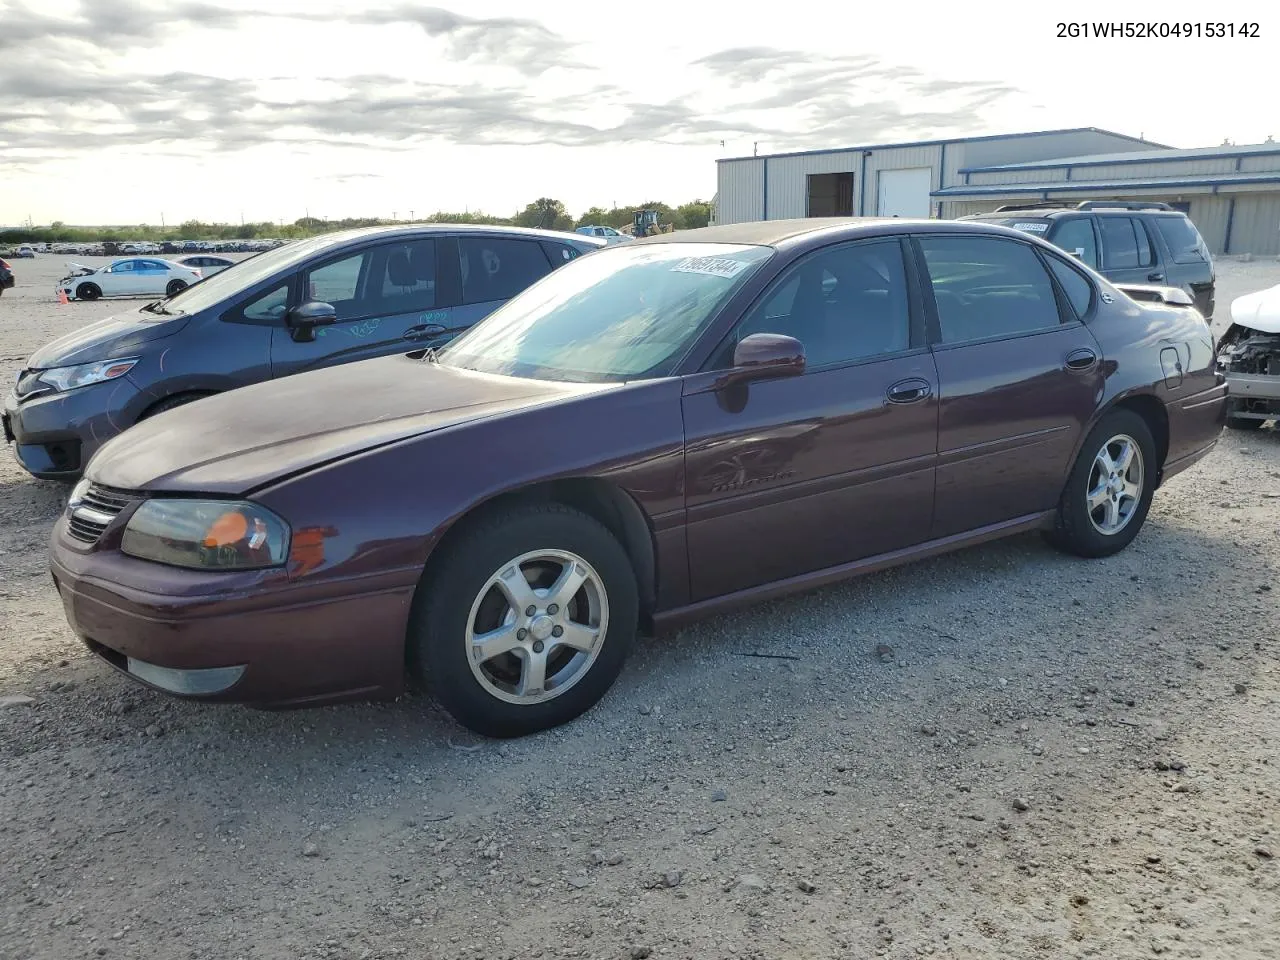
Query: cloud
[(805, 101), (109, 25), (64, 92), (514, 42)]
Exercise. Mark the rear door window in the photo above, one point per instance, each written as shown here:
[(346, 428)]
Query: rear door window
[(408, 272), (559, 253), (986, 287), (497, 268), (1076, 236), (1184, 240), (1125, 244), (1079, 291)]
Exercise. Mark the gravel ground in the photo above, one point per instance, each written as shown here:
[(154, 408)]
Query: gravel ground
[(1001, 753)]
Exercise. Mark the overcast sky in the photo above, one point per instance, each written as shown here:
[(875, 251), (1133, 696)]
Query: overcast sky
[(122, 111)]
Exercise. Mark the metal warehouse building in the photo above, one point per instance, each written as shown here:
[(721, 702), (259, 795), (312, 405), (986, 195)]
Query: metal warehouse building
[(1231, 192)]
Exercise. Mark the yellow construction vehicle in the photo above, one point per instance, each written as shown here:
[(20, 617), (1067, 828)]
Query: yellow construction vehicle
[(645, 224)]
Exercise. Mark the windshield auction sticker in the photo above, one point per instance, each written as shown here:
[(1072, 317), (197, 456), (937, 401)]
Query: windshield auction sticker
[(1031, 227), (711, 266)]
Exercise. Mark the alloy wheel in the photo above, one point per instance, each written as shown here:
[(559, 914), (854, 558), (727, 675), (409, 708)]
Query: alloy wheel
[(1115, 484), (537, 626)]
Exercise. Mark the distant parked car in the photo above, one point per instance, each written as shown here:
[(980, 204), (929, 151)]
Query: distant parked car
[(206, 264), (607, 234), (1125, 241), (130, 277), (25, 252), (314, 303), (7, 278)]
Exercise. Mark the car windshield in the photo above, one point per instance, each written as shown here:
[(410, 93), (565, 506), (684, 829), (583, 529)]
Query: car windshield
[(225, 283), (626, 314)]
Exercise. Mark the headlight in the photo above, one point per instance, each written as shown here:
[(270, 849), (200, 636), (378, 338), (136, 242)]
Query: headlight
[(81, 375), (207, 534)]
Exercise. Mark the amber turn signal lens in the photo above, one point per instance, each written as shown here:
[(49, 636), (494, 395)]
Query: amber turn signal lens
[(229, 529)]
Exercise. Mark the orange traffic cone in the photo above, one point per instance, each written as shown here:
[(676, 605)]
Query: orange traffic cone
[(62, 296)]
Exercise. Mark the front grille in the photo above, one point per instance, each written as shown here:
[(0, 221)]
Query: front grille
[(93, 514)]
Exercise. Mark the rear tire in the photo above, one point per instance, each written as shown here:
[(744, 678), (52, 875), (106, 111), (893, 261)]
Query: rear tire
[(546, 667), (1106, 498), (88, 291), (175, 286)]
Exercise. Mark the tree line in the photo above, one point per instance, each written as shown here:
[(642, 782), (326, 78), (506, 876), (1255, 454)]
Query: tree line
[(545, 212)]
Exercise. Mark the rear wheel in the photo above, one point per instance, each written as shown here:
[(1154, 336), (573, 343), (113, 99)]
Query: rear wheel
[(175, 286), (88, 291), (526, 622), (1109, 490)]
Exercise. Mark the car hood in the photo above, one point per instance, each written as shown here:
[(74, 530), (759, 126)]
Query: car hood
[(238, 441), (1259, 310), (118, 336)]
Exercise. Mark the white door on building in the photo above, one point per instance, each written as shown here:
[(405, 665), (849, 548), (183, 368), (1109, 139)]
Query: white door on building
[(905, 193)]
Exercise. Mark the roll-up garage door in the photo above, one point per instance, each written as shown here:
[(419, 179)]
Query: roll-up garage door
[(905, 193)]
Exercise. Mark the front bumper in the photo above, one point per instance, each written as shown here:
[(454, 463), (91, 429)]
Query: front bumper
[(239, 637), (54, 435), (1254, 386)]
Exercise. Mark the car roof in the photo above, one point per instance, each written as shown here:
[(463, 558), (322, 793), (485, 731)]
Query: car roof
[(1033, 213), (363, 233), (775, 233)]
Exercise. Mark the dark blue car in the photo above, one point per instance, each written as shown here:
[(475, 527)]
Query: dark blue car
[(311, 303)]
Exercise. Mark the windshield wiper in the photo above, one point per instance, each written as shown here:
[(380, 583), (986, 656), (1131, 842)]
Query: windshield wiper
[(155, 306), (430, 356)]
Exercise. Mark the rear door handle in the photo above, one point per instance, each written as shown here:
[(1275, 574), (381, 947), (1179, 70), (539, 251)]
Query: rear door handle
[(909, 391), (1155, 277), (1082, 359), (424, 331)]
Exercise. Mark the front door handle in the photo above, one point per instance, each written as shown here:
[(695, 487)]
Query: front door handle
[(424, 331), (1082, 359), (909, 391), (1155, 277)]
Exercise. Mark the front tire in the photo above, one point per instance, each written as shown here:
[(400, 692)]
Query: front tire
[(526, 621), (1109, 489), (170, 403), (88, 291)]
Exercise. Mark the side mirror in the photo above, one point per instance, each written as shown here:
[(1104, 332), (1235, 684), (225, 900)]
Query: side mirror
[(767, 356), (303, 319)]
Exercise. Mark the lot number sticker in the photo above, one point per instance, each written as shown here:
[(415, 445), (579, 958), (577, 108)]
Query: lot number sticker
[(1031, 227), (711, 266)]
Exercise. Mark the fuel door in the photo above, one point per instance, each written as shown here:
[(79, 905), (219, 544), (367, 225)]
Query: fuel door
[(1171, 364)]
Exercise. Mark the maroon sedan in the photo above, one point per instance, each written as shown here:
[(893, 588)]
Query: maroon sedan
[(653, 431)]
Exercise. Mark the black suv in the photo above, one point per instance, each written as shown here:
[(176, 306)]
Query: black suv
[(1125, 241)]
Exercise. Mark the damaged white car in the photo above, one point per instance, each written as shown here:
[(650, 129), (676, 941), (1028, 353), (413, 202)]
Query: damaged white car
[(129, 277), (1249, 357)]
